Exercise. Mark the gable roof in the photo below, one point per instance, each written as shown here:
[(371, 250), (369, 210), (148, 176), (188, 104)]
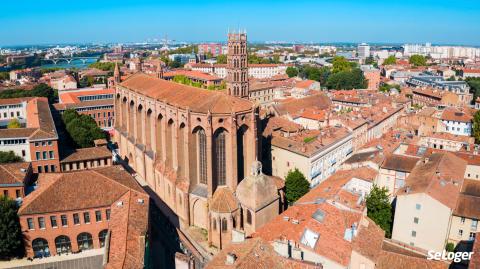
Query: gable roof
[(40, 123), (399, 163), (78, 190), (439, 176), (468, 200), (318, 101), (12, 173), (183, 96)]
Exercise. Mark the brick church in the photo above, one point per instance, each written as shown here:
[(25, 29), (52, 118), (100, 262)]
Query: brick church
[(198, 149)]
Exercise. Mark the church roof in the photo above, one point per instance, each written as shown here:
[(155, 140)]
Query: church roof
[(257, 190), (183, 96), (223, 201)]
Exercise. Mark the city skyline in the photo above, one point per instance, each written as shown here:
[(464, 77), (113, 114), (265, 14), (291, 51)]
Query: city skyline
[(322, 22)]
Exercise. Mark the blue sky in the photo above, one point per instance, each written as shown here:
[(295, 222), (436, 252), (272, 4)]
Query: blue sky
[(55, 21)]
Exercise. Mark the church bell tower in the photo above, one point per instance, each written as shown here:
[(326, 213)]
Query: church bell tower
[(237, 65)]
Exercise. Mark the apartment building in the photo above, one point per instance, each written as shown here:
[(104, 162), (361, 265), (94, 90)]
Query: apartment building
[(96, 103), (71, 212), (14, 179), (258, 71), (36, 140), (316, 153), (394, 171), (464, 224), (327, 227), (424, 206), (457, 122)]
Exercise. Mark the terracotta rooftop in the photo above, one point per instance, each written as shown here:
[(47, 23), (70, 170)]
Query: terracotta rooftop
[(399, 163), (88, 154), (392, 260), (85, 189), (366, 156), (331, 230), (330, 188), (468, 200), (186, 97), (369, 240), (309, 142), (13, 173), (295, 106), (95, 103), (453, 114), (440, 176), (223, 201), (304, 84), (452, 137), (313, 114), (68, 97), (327, 197), (40, 123), (255, 253), (280, 124)]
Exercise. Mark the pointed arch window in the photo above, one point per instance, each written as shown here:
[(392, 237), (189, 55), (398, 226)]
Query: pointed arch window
[(202, 156), (219, 158), (224, 225), (249, 217)]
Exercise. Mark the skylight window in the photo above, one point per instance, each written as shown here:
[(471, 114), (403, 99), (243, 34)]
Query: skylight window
[(309, 238), (318, 215)]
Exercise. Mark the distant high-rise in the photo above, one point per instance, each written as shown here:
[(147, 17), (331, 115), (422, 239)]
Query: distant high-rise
[(237, 65), (363, 50)]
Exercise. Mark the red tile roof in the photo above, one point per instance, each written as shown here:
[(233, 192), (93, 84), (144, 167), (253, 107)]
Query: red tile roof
[(255, 253), (191, 74), (85, 189), (183, 96), (69, 97), (453, 114), (14, 173), (440, 176)]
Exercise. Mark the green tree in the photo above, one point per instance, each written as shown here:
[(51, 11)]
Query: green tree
[(175, 64), (105, 66), (417, 60), (340, 64), (370, 60), (291, 71), (275, 59), (14, 124), (379, 209), (450, 247), (9, 157), (222, 59), (476, 126), (185, 50), (347, 80), (82, 128), (314, 73), (41, 90), (474, 84), (4, 76), (386, 87), (390, 60), (11, 241), (296, 185), (182, 79)]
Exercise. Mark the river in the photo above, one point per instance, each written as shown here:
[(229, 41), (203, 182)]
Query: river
[(73, 64)]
